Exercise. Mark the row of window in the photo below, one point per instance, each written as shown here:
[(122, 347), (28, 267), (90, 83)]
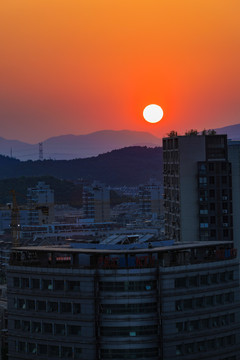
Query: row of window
[(47, 306), (46, 284), (203, 280), (48, 350), (129, 331), (204, 194), (206, 323), (209, 345), (139, 308), (129, 353), (146, 285), (61, 285), (47, 328), (204, 301), (212, 179)]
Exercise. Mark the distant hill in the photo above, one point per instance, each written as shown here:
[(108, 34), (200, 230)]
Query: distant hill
[(68, 147), (232, 131), (127, 166)]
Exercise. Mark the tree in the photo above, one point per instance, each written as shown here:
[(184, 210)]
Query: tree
[(211, 132), (172, 133), (192, 132)]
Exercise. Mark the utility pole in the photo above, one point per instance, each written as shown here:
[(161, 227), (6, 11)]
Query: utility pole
[(40, 151)]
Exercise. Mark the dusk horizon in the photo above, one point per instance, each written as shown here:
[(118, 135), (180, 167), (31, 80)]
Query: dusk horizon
[(79, 67)]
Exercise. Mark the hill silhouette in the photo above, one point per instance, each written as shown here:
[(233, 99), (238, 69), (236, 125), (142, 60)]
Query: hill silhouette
[(128, 166)]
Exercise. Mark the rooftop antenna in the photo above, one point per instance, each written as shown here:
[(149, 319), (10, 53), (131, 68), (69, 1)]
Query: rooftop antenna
[(40, 151)]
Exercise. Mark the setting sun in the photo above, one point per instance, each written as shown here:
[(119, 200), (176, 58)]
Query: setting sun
[(153, 113)]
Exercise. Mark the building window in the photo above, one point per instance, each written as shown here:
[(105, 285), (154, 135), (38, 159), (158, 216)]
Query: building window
[(41, 305), (212, 193), (193, 281), (188, 304), (73, 285), (66, 352), (74, 330), (66, 307), (204, 279), (219, 299), (213, 233), (22, 304), (203, 180), (203, 225), (47, 285), (131, 331), (212, 206), (35, 283), (53, 306), (189, 348), (181, 282), (47, 328), (60, 329), (179, 350), (36, 327), (211, 180), (59, 285), (211, 166), (42, 349), (24, 283), (180, 327), (209, 300), (77, 353), (212, 219), (17, 324), (26, 326), (31, 305), (76, 308), (16, 282), (32, 348), (54, 350), (21, 346), (214, 278)]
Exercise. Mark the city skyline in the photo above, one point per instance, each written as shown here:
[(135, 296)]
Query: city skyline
[(79, 67)]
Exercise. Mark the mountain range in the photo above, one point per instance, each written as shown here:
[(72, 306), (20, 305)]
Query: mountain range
[(66, 147)]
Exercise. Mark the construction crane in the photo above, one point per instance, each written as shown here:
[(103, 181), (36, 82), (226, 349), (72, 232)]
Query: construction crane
[(15, 220)]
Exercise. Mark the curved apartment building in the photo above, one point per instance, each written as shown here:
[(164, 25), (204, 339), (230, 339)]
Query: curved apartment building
[(164, 302)]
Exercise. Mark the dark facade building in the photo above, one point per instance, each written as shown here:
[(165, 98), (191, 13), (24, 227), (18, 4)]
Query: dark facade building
[(197, 188), (129, 302)]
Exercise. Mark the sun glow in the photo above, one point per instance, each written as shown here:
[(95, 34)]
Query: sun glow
[(153, 113)]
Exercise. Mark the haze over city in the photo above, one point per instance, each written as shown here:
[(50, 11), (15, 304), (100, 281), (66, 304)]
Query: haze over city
[(83, 66)]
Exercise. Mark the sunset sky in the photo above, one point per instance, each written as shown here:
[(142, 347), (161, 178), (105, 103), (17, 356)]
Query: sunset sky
[(78, 66)]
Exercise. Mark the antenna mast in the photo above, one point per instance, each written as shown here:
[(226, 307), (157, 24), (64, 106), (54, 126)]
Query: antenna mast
[(40, 151)]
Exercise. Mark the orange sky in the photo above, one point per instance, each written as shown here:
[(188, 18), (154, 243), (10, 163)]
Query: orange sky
[(77, 66)]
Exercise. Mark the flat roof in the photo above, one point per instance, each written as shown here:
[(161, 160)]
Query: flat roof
[(186, 246)]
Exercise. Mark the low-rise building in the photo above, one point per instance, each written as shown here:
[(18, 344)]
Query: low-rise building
[(124, 301)]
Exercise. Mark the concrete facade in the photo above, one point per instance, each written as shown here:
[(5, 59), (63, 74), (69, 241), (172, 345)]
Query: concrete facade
[(197, 188), (167, 303)]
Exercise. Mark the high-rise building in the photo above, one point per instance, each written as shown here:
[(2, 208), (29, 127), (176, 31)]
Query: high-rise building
[(96, 202), (127, 302), (151, 200), (41, 204), (197, 188)]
